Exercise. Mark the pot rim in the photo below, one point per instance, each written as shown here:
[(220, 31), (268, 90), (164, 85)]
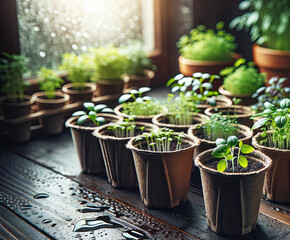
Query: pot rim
[(148, 74), (25, 103), (271, 149), (238, 107), (186, 61), (67, 88), (267, 164), (226, 102), (269, 51), (118, 108), (37, 98), (225, 92), (110, 81)]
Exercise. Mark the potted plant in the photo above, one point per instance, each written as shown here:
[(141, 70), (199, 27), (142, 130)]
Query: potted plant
[(141, 108), (15, 104), (271, 51), (232, 185), (111, 64), (163, 161), (206, 50), (140, 70), (241, 81), (50, 99), (82, 124), (274, 141), (79, 69)]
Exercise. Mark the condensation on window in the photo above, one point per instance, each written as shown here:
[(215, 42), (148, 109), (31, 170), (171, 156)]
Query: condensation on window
[(49, 28)]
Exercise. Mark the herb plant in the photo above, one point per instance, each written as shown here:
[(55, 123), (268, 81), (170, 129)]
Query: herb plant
[(207, 44), (125, 129), (242, 78), (141, 106), (161, 140), (276, 124), (273, 94), (92, 114), (225, 149), (12, 68), (267, 21), (50, 82)]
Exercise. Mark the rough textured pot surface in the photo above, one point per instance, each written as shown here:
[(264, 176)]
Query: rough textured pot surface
[(247, 100), (137, 118), (273, 62), (118, 159), (106, 87), (15, 109), (19, 133), (163, 177), (232, 200), (242, 113), (160, 121), (87, 146), (137, 81), (187, 67), (52, 124), (277, 180), (220, 100), (83, 95)]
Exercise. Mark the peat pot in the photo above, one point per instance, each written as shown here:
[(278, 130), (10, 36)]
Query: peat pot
[(87, 146), (137, 81), (118, 159), (107, 87), (232, 200), (163, 177), (277, 180), (75, 95), (52, 124), (221, 101)]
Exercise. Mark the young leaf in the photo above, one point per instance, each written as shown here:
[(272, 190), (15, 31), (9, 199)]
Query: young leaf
[(98, 107), (243, 161), (170, 81), (144, 89), (232, 141), (285, 103), (260, 123), (178, 76), (100, 120), (82, 119), (220, 141), (241, 143), (174, 89), (197, 74), (211, 101), (246, 149), (229, 157), (269, 105), (280, 121), (78, 113), (221, 151), (92, 115), (133, 91), (89, 105), (146, 98), (124, 98), (222, 165), (107, 110)]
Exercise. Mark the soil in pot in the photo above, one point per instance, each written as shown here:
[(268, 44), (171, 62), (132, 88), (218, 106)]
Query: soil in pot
[(87, 146), (107, 87), (84, 95), (137, 81), (232, 200), (277, 180)]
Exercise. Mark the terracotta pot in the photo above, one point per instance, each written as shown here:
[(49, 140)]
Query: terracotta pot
[(232, 200), (52, 124), (247, 100), (187, 67), (241, 113), (273, 62), (75, 95), (137, 81), (220, 100), (163, 177), (87, 146), (137, 118), (118, 159), (161, 121), (107, 87), (277, 181)]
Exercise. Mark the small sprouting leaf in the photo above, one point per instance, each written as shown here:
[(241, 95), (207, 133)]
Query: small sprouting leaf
[(222, 165), (100, 120), (196, 82), (124, 98), (183, 88), (219, 25), (207, 85), (244, 5), (220, 141), (78, 113), (205, 76), (285, 103), (99, 107), (280, 121), (92, 115), (82, 119), (264, 134), (211, 101), (144, 89), (229, 157), (146, 98), (239, 62), (269, 105), (243, 161), (170, 81), (260, 123), (107, 110), (89, 105), (133, 91), (174, 89), (178, 77), (221, 151), (241, 143), (197, 75), (232, 141), (246, 149)]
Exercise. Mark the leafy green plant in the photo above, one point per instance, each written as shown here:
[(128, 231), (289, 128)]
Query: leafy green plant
[(275, 124), (207, 44), (79, 68), (273, 94), (226, 149), (12, 68), (242, 78), (141, 106), (267, 21), (92, 114), (110, 63), (138, 59), (125, 129), (161, 140), (50, 82)]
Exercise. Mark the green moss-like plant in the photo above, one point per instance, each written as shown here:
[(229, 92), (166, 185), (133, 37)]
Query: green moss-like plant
[(207, 44), (243, 78)]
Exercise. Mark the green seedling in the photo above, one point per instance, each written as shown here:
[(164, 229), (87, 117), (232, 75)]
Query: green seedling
[(125, 129)]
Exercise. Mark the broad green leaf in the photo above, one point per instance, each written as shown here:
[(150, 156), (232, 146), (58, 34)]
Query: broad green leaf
[(144, 89), (82, 119), (232, 141), (79, 113), (241, 143), (197, 75), (243, 161), (285, 103), (133, 91), (98, 107), (220, 141), (246, 149), (178, 77), (92, 115), (229, 157), (260, 123), (221, 151), (100, 120), (124, 98), (89, 105), (107, 110), (174, 89), (222, 165), (269, 106), (205, 76), (280, 121)]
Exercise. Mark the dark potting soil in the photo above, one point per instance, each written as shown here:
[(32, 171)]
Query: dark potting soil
[(200, 135), (91, 124), (252, 166), (172, 146)]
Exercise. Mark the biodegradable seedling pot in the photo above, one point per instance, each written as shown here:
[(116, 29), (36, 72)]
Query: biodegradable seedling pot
[(163, 177), (84, 95), (137, 81), (118, 159), (277, 180), (232, 200), (161, 120), (107, 87), (220, 102), (52, 124), (241, 113), (87, 146)]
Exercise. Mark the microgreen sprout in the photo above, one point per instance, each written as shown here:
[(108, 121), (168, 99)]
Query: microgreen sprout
[(225, 149), (92, 114), (125, 129)]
